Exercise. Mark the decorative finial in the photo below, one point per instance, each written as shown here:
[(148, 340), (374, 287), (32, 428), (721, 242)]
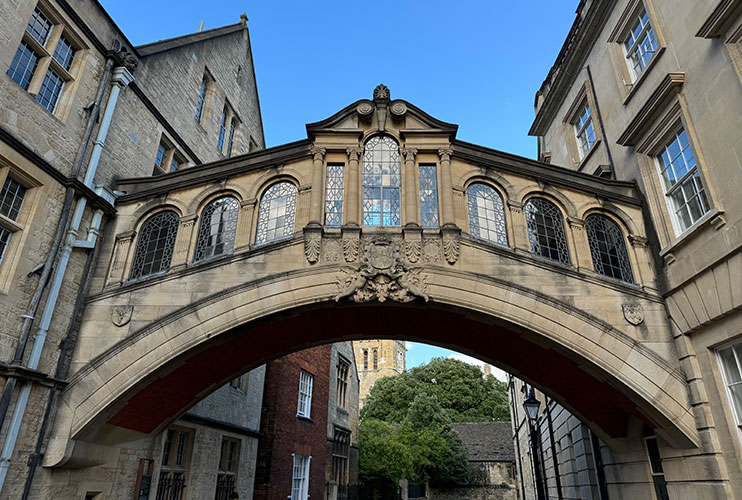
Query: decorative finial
[(381, 93), (243, 19)]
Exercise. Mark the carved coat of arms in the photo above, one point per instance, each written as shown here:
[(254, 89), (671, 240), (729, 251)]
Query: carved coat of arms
[(382, 276), (121, 315), (633, 313)]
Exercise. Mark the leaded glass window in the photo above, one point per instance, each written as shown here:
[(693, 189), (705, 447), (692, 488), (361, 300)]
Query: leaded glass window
[(334, 195), (155, 245), (276, 213), (23, 66), (486, 214), (382, 179), (546, 230), (607, 248), (428, 196), (217, 229)]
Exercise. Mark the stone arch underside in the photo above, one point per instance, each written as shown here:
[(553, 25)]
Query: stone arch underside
[(147, 380)]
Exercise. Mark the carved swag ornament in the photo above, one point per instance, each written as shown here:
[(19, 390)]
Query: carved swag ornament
[(381, 276)]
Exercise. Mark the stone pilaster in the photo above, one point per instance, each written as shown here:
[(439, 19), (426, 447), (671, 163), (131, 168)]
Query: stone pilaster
[(447, 210), (245, 224), (411, 198), (121, 251), (581, 257), (517, 230), (353, 195), (183, 241), (315, 204)]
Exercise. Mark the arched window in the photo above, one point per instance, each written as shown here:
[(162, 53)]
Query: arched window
[(155, 245), (608, 248), (365, 359), (276, 212), (486, 214), (376, 359), (546, 230), (382, 178), (217, 229)]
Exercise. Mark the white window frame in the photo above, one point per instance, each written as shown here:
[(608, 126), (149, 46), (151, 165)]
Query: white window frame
[(736, 412), (630, 52), (581, 131), (304, 405), (300, 472), (668, 191)]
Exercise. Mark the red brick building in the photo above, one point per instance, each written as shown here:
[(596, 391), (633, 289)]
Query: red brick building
[(293, 431)]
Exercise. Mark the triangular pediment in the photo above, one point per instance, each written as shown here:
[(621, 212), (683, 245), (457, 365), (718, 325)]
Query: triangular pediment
[(381, 112)]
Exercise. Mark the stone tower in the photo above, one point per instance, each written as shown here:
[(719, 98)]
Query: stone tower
[(378, 359)]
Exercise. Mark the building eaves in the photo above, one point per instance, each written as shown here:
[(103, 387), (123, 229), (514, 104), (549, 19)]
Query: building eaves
[(584, 32), (180, 41)]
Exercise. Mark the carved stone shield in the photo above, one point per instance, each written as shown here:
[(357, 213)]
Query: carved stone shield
[(381, 254), (121, 315), (634, 313)]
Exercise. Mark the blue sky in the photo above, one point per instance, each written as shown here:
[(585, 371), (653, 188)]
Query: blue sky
[(476, 63)]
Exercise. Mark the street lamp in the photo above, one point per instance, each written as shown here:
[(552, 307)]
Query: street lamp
[(531, 406)]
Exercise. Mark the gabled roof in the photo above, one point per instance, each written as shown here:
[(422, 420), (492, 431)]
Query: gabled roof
[(180, 41), (486, 441)]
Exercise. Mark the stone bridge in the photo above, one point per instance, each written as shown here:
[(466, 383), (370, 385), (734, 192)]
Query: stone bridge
[(379, 224)]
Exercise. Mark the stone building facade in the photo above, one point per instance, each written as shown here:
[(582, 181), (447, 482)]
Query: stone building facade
[(650, 91), (377, 359), (82, 107)]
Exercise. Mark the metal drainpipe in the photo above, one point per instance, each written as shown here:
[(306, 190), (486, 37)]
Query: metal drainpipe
[(121, 77), (56, 242)]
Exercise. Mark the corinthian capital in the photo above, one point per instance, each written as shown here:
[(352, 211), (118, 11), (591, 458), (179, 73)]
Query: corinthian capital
[(318, 153), (354, 152), (409, 153), (445, 154)]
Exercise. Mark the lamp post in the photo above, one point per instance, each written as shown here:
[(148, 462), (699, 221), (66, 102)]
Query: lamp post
[(531, 406)]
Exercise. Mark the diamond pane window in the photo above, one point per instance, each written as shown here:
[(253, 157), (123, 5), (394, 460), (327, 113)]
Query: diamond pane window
[(201, 99), (23, 66), (39, 26), (584, 130), (64, 53), (334, 195), (640, 44), (300, 477), (428, 196), (304, 408), (222, 130), (684, 190), (218, 227), (155, 245), (608, 248), (546, 230), (276, 213), (486, 214), (50, 90), (11, 198), (4, 242), (381, 182)]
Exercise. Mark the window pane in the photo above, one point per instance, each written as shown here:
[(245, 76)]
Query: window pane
[(276, 213), (39, 26), (381, 182), (334, 195), (23, 66), (4, 242), (486, 214), (155, 245), (546, 230), (222, 130), (218, 227), (64, 53), (607, 248), (428, 196), (230, 140), (201, 99), (50, 90), (11, 198)]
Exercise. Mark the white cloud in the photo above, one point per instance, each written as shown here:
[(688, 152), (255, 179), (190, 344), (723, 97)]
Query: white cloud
[(496, 372)]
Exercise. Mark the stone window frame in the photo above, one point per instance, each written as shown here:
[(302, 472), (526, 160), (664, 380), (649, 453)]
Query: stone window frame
[(229, 465), (732, 413), (207, 100), (304, 397), (293, 209), (229, 123), (340, 453), (168, 463), (431, 218), (566, 235), (228, 232), (583, 98), (17, 227), (500, 192), (239, 383), (170, 153), (47, 62), (654, 464), (382, 138), (343, 379), (629, 279), (647, 150), (628, 81), (338, 192), (135, 247)]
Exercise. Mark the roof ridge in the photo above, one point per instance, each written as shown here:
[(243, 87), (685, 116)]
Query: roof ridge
[(188, 38)]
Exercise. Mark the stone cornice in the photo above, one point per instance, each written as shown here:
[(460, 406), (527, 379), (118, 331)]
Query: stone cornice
[(720, 19), (668, 87), (623, 191), (584, 33)]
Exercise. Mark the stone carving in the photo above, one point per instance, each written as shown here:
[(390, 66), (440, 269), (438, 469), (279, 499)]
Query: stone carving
[(333, 250), (365, 109), (317, 152), (351, 247), (432, 250), (121, 315), (381, 92), (398, 109), (409, 154), (382, 276), (451, 247), (445, 154), (634, 313), (412, 250), (354, 152), (127, 58), (312, 245)]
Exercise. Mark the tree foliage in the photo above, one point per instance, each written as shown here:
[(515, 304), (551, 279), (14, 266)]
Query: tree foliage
[(406, 421)]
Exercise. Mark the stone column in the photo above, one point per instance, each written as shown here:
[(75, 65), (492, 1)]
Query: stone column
[(244, 235), (183, 241), (581, 251), (447, 211), (518, 232), (315, 203), (352, 193), (411, 198), (121, 250)]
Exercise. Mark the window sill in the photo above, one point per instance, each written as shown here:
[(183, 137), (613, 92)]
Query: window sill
[(306, 419), (581, 164), (635, 85), (713, 217)]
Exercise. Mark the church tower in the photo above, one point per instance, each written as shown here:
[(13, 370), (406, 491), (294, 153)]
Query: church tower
[(378, 359)]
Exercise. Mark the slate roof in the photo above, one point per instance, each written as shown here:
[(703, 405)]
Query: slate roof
[(487, 441), (179, 41)]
